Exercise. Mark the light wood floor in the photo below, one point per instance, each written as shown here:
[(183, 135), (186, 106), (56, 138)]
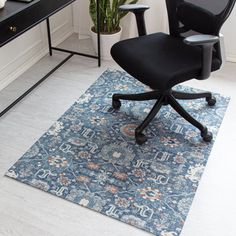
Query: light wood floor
[(28, 211)]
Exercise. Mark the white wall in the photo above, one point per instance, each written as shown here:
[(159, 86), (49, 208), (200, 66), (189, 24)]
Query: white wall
[(81, 17), (21, 53), (229, 33), (155, 18)]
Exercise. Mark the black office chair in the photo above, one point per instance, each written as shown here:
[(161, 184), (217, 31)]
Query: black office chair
[(161, 61)]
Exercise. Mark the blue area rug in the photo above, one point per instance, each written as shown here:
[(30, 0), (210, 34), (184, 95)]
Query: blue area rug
[(89, 156)]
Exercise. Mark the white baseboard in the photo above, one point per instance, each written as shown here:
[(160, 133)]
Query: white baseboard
[(33, 54), (231, 58)]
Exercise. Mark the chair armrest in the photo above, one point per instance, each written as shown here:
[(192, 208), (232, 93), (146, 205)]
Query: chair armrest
[(133, 7), (201, 39), (206, 42), (138, 10)]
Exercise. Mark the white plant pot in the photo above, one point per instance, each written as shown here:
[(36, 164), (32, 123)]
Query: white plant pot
[(106, 42), (2, 3)]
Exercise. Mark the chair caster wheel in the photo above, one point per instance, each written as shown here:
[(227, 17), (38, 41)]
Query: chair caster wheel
[(116, 104), (140, 138), (206, 135), (211, 101)]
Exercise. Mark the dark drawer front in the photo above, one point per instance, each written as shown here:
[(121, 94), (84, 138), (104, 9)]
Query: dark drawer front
[(28, 18), (14, 26)]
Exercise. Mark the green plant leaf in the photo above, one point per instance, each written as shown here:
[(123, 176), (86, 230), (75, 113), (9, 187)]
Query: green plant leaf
[(110, 15)]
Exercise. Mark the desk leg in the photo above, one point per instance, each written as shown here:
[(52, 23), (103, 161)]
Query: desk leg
[(35, 86), (98, 34), (49, 37)]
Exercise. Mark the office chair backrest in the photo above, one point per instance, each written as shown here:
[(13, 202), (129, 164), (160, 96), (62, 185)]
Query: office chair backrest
[(188, 17), (202, 16)]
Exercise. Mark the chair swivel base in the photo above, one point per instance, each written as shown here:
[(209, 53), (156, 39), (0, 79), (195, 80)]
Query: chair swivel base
[(167, 98)]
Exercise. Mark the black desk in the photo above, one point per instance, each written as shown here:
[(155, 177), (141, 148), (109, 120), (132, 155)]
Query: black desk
[(17, 17)]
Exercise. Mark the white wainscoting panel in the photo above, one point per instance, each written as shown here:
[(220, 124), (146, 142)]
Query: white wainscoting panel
[(20, 54), (229, 33)]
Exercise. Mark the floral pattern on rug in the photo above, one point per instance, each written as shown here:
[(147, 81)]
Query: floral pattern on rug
[(89, 156)]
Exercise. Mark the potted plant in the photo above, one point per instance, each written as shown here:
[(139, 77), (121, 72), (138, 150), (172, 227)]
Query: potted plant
[(2, 3), (110, 29)]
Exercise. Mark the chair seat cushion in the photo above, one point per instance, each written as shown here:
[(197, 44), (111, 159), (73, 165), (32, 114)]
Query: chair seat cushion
[(160, 60)]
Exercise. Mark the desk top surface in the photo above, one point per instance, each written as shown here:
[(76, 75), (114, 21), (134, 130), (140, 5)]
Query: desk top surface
[(11, 8)]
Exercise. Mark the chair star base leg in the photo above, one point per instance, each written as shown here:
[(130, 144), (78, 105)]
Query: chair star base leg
[(140, 138), (211, 100), (206, 135), (162, 100)]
